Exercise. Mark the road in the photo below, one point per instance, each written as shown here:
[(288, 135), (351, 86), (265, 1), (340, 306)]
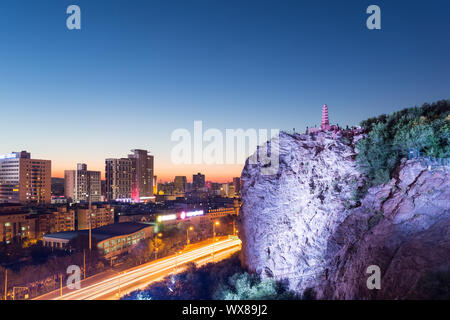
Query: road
[(112, 285)]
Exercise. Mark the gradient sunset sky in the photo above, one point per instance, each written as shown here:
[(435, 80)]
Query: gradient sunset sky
[(140, 69)]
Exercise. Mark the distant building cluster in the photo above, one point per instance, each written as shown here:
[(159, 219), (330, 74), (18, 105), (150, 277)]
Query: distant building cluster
[(199, 187), (19, 222), (125, 208)]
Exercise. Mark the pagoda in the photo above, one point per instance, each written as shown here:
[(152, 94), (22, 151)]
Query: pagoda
[(325, 121)]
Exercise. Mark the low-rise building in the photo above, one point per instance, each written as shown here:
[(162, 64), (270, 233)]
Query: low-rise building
[(101, 215), (16, 223), (111, 240), (55, 220), (222, 212)]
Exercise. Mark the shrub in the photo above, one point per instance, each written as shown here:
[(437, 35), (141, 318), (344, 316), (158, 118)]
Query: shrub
[(390, 137), (245, 286), (223, 280)]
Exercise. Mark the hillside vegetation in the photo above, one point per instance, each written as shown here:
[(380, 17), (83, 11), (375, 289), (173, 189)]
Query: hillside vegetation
[(426, 128)]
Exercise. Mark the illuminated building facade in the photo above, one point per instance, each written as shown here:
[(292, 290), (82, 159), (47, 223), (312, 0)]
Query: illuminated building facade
[(15, 223), (111, 240), (118, 177), (142, 175), (80, 184), (61, 219), (24, 180)]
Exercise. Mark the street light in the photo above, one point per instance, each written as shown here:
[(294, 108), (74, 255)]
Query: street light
[(187, 234), (156, 248), (216, 223)]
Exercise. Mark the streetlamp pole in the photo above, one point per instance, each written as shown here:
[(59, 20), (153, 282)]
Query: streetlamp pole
[(156, 247), (120, 275), (119, 286), (6, 284), (214, 238), (84, 264), (187, 234)]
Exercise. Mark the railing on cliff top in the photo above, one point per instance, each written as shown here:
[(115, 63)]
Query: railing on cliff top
[(428, 161)]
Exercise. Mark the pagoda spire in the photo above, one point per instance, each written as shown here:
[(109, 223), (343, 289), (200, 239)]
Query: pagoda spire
[(325, 121)]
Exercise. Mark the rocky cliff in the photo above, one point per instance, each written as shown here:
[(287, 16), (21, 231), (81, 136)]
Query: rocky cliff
[(304, 226)]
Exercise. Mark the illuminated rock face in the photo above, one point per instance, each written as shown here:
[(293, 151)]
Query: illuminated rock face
[(404, 228), (303, 227), (287, 219)]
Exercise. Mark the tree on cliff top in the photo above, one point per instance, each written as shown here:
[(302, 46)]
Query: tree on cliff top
[(426, 128)]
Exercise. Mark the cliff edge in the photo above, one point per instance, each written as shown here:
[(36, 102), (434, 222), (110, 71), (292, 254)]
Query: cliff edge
[(306, 227)]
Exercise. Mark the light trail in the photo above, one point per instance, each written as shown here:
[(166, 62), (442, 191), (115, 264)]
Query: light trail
[(147, 273)]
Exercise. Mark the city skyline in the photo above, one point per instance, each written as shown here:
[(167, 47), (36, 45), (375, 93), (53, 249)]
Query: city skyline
[(134, 74), (224, 150)]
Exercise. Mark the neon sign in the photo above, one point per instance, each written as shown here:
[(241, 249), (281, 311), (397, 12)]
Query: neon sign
[(166, 217), (192, 214)]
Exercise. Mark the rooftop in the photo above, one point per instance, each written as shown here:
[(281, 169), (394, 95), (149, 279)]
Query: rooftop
[(102, 233)]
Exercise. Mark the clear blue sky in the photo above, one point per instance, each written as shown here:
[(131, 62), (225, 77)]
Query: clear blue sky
[(140, 69)]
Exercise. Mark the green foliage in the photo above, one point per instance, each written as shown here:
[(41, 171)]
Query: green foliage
[(389, 138), (245, 286), (192, 284), (222, 280)]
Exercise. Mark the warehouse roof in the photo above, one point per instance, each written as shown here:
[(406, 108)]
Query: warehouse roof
[(105, 232)]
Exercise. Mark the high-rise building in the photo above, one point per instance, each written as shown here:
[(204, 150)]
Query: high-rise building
[(80, 184), (198, 181), (142, 175), (118, 177), (237, 185), (24, 180), (180, 183)]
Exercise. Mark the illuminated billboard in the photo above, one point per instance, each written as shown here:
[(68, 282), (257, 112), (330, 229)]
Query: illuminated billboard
[(166, 217), (190, 214)]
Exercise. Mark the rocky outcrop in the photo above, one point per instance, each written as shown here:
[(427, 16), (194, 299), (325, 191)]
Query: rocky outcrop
[(288, 218), (304, 226), (404, 229)]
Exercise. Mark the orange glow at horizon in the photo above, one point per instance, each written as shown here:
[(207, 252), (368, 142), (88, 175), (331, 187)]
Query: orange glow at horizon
[(215, 173)]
